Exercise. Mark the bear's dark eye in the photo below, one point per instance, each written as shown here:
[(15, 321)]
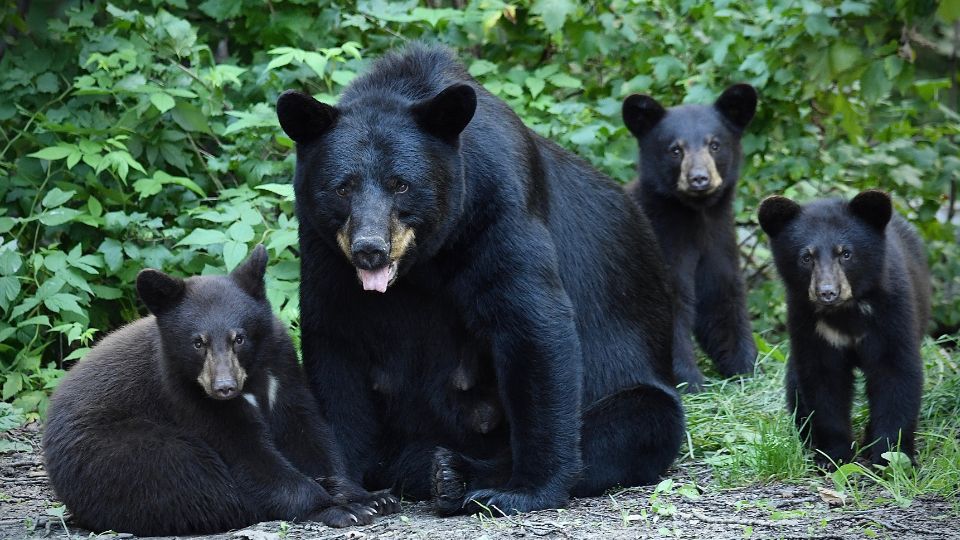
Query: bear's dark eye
[(239, 339), (846, 254), (401, 187), (676, 151), (343, 191), (714, 146), (806, 258), (198, 343)]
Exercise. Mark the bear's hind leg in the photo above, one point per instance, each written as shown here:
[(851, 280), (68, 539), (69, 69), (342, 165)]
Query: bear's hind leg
[(629, 439), (149, 480)]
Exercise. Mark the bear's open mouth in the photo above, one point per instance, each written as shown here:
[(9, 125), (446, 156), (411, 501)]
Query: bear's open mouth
[(378, 279)]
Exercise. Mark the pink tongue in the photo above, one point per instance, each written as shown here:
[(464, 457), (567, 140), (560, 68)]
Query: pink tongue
[(375, 280)]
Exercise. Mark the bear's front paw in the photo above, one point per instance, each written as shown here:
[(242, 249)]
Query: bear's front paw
[(829, 458), (345, 515), (383, 502), (447, 483), (502, 502)]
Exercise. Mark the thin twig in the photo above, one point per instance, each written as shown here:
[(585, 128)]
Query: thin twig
[(750, 522)]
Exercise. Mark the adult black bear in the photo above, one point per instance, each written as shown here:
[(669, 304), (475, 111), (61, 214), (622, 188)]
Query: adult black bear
[(689, 166), (858, 295), (513, 280), (147, 436)]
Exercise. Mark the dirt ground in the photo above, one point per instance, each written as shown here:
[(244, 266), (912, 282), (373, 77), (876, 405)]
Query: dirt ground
[(774, 511)]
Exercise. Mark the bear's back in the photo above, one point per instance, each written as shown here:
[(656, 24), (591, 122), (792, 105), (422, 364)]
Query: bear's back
[(118, 379), (911, 262)]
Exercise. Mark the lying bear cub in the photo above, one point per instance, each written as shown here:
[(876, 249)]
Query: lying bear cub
[(197, 419), (858, 295)]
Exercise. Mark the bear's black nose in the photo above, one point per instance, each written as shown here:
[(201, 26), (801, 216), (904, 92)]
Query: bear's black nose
[(827, 294), (369, 252), (225, 388), (699, 182)]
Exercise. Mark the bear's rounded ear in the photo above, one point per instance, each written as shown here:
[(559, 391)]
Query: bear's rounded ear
[(249, 275), (447, 114), (775, 213), (159, 291), (737, 104), (872, 207), (641, 113), (304, 118)]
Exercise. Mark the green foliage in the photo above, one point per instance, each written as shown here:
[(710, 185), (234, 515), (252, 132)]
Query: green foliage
[(142, 133), (743, 431)]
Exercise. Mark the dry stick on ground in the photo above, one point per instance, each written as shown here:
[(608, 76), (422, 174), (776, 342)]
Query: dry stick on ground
[(751, 522)]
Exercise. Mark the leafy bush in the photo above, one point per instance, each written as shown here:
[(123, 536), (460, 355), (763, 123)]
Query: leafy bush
[(142, 133)]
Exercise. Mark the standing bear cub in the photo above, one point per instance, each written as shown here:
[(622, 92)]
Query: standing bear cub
[(197, 419), (858, 295), (689, 166)]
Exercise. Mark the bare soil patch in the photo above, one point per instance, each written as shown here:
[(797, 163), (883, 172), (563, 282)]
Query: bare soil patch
[(769, 511)]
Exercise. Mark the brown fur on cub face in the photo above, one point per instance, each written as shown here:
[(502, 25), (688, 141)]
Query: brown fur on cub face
[(828, 281), (222, 376), (698, 171)]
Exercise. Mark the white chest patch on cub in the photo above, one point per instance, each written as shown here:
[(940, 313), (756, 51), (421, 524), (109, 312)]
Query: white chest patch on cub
[(251, 399), (272, 385), (835, 337)]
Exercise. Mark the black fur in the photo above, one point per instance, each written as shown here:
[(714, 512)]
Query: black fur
[(133, 443), (696, 231), (879, 329), (533, 286)]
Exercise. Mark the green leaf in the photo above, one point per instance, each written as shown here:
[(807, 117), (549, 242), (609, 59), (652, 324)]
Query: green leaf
[(481, 67), (202, 237), (48, 83), (94, 208), (106, 293), (819, 25), (280, 61), (9, 289), (233, 253), (221, 10), (562, 80), (58, 216), (284, 190), (875, 85), (535, 84), (12, 385), (163, 102), (843, 57), (948, 11), (112, 253), (39, 320), (63, 302), (190, 118), (342, 77), (56, 197), (52, 153), (553, 12), (241, 232), (10, 260)]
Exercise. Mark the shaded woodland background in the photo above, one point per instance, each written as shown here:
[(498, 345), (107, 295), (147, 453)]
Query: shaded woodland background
[(142, 133)]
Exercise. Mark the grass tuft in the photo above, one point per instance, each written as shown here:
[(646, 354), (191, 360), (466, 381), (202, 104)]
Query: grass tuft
[(742, 429)]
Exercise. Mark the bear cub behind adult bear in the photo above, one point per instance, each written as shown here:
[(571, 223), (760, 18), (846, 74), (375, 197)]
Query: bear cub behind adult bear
[(858, 295), (689, 166), (197, 419)]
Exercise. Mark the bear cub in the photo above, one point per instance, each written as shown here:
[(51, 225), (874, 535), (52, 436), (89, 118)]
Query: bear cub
[(197, 419), (858, 295), (689, 166)]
